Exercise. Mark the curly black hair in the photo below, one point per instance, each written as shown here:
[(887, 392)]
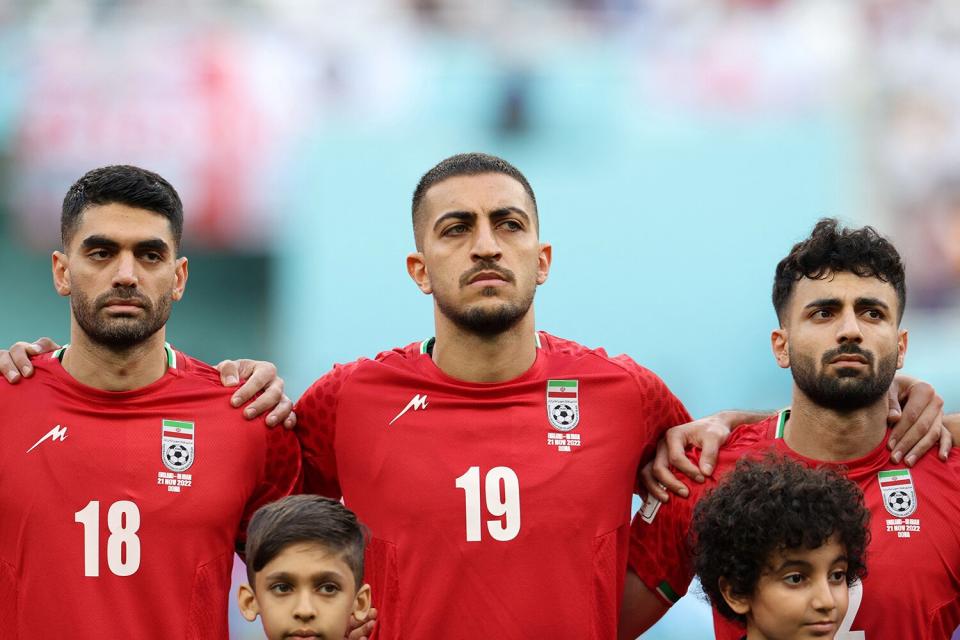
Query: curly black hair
[(830, 249), (770, 505)]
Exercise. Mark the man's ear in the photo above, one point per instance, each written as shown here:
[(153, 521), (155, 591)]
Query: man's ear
[(417, 269), (901, 347), (739, 604), (362, 603), (61, 273), (780, 343), (180, 274), (248, 603), (543, 262)]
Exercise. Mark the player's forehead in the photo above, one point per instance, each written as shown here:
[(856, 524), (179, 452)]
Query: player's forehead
[(479, 194), (844, 287), (121, 224)]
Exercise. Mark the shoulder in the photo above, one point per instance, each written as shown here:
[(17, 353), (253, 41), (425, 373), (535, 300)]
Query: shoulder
[(597, 357), (43, 379), (200, 375), (327, 388)]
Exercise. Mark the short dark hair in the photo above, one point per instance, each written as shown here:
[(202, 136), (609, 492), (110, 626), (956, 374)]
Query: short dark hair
[(304, 518), (831, 249), (121, 184), (771, 505), (466, 164)]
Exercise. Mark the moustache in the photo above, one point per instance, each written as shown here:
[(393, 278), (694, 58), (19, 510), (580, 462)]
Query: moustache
[(123, 294), (849, 349), (480, 267)]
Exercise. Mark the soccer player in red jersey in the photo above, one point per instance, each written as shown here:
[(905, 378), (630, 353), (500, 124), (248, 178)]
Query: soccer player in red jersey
[(839, 297), (126, 477), (494, 464)]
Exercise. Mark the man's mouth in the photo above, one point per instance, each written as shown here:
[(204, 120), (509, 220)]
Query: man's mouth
[(488, 278)]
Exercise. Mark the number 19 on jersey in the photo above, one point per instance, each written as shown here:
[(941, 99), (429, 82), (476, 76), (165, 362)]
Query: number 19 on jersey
[(502, 493)]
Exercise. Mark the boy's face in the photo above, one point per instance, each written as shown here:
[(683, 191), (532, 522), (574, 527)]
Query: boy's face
[(305, 592), (802, 594)]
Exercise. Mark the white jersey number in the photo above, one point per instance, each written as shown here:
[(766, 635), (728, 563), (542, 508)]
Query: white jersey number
[(855, 598), (503, 502), (123, 545)]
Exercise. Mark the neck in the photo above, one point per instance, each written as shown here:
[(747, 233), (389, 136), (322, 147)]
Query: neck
[(831, 436), (103, 368), (467, 356)]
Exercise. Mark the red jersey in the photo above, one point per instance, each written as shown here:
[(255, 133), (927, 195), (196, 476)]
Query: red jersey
[(496, 510), (121, 510), (912, 587)]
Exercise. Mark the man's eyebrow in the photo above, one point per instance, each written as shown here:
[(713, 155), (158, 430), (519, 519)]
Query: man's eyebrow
[(871, 302), (99, 241), (465, 216), (155, 244), (824, 302), (506, 211), (103, 242)]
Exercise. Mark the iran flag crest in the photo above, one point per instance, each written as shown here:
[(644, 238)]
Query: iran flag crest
[(899, 496), (563, 408)]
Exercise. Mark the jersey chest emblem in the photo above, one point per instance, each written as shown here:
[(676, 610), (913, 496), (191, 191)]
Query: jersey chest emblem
[(900, 500), (177, 453), (563, 407), (899, 496)]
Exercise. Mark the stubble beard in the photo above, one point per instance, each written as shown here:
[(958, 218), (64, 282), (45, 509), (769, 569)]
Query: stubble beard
[(487, 321), (849, 390), (120, 333)]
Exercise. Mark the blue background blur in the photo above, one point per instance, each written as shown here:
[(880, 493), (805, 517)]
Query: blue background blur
[(677, 150)]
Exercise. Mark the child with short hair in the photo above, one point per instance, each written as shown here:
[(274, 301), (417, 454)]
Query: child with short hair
[(305, 569), (777, 545)]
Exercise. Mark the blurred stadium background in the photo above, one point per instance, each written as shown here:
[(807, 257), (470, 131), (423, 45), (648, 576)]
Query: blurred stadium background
[(677, 147)]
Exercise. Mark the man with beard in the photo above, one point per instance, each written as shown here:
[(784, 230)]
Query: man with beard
[(839, 297), (494, 464), (127, 477)]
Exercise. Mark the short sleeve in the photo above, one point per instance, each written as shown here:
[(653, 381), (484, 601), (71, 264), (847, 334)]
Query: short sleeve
[(316, 429), (660, 409), (659, 551), (280, 475)]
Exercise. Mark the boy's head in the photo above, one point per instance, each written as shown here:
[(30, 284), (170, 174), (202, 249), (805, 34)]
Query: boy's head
[(776, 545), (305, 568)]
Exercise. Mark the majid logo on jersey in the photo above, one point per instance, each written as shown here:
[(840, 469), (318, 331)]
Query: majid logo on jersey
[(177, 450), (563, 408)]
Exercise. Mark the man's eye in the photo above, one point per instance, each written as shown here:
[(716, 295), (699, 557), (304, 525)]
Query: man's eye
[(99, 254), (875, 314), (512, 225), (329, 588), (822, 314), (281, 587), (152, 256), (455, 230)]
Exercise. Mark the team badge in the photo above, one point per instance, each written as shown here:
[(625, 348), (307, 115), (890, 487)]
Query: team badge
[(563, 409), (899, 497), (177, 449)]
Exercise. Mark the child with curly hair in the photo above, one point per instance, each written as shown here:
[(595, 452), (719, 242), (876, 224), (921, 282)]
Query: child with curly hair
[(777, 545)]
